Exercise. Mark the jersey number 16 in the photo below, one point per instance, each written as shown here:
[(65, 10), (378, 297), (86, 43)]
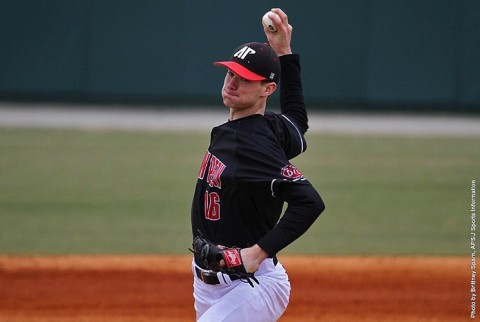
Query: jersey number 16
[(212, 205)]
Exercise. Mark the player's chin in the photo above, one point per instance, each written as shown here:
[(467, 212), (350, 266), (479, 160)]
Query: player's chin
[(229, 101)]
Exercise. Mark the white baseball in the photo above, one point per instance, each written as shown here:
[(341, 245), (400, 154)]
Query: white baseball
[(267, 22)]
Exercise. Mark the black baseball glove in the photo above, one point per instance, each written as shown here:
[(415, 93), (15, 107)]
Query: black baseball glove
[(209, 255)]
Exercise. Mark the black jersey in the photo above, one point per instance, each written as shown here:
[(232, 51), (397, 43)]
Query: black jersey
[(246, 176)]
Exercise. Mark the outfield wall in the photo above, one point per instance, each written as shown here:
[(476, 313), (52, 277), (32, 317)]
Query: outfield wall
[(372, 54)]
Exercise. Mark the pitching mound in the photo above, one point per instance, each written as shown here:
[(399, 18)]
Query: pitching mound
[(159, 288)]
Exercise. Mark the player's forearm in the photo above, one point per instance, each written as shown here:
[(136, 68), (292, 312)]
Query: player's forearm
[(304, 207), (252, 257), (291, 91)]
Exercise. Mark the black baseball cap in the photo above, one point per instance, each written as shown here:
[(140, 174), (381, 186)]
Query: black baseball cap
[(254, 61)]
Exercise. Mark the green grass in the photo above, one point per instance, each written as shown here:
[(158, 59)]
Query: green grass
[(72, 191)]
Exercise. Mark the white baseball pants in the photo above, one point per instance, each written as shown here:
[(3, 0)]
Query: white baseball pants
[(237, 301)]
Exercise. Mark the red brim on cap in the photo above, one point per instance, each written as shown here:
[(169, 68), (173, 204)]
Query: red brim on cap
[(240, 70)]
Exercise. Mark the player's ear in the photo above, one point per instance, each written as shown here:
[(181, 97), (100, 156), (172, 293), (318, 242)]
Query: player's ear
[(270, 88)]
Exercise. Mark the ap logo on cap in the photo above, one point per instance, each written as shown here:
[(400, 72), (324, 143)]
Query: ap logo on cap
[(242, 53)]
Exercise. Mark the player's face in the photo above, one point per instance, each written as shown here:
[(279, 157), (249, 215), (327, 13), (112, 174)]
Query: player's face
[(240, 93)]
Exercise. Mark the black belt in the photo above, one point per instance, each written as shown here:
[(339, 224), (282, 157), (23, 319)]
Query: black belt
[(211, 278)]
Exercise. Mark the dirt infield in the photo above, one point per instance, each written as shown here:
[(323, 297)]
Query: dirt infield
[(159, 288)]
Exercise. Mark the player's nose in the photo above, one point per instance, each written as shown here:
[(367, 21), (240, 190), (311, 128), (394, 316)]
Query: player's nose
[(232, 82)]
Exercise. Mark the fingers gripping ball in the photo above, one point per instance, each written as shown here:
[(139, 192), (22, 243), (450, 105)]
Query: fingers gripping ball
[(209, 256), (267, 21)]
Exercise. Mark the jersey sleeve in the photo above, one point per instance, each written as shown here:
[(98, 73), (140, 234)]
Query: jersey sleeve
[(288, 134), (291, 124), (304, 207), (292, 102)]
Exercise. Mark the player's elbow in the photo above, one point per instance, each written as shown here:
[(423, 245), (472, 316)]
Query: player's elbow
[(315, 206), (314, 201), (321, 206), (318, 206)]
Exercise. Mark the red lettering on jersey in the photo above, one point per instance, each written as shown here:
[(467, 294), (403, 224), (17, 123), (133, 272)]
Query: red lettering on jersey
[(212, 206), (203, 167), (290, 171), (214, 172)]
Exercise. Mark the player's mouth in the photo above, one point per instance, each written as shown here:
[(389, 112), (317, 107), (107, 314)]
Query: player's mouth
[(228, 93)]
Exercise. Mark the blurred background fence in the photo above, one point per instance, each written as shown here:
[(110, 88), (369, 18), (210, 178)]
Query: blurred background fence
[(404, 55)]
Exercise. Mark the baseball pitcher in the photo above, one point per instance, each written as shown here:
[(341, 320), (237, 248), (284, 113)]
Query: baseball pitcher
[(244, 180)]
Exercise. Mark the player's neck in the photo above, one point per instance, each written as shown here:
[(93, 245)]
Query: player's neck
[(236, 114)]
